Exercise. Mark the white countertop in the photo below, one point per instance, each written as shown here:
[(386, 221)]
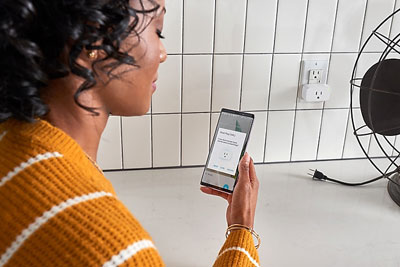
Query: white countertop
[(301, 222)]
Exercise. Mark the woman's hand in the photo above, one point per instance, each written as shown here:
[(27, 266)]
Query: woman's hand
[(243, 201)]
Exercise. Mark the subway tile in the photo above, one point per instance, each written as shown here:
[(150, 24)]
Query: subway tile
[(195, 133), (196, 83), (226, 84), (301, 103), (352, 149), (279, 136), (167, 97), (284, 84), (256, 143), (306, 135), (256, 79), (166, 140), (320, 24), (333, 131), (290, 26), (260, 26), (214, 121), (377, 11), (199, 26), (109, 152), (385, 146), (229, 25), (173, 26), (349, 24), (340, 72), (136, 140)]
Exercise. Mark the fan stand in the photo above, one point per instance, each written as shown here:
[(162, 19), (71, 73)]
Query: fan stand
[(394, 189)]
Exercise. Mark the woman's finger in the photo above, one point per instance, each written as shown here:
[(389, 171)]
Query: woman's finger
[(213, 192)]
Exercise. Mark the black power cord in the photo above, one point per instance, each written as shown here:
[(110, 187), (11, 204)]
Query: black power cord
[(322, 177)]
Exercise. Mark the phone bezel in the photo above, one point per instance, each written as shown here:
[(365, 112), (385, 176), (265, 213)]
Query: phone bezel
[(244, 114)]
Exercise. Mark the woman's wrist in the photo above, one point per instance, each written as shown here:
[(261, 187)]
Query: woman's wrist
[(234, 227)]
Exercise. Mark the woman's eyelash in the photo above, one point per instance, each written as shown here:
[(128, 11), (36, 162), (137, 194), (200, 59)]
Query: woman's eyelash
[(160, 35)]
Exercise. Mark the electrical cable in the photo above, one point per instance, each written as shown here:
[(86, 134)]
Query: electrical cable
[(322, 177)]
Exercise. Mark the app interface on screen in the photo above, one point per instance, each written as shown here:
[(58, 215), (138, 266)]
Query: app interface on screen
[(228, 143)]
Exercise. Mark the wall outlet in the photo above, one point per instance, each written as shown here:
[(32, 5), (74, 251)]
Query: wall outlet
[(315, 76), (313, 81), (315, 92), (314, 71)]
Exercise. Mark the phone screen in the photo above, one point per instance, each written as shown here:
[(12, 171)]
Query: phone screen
[(227, 148)]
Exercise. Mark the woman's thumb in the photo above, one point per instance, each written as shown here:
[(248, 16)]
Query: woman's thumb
[(244, 168)]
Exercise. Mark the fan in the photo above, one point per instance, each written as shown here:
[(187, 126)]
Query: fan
[(376, 99)]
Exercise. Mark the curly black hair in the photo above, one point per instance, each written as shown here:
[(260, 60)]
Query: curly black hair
[(34, 34)]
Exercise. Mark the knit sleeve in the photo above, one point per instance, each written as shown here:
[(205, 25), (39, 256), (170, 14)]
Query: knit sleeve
[(238, 250)]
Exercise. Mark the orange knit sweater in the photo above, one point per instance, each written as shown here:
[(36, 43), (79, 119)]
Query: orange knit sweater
[(57, 209)]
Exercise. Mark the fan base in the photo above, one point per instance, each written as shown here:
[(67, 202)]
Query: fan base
[(394, 189)]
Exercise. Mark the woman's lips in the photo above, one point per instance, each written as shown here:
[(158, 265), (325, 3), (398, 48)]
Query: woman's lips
[(154, 86)]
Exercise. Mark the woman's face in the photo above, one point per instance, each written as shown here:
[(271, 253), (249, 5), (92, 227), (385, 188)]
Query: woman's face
[(130, 93)]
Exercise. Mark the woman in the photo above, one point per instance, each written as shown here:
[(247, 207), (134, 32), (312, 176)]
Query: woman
[(65, 66)]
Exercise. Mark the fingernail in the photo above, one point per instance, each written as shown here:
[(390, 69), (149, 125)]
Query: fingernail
[(246, 158)]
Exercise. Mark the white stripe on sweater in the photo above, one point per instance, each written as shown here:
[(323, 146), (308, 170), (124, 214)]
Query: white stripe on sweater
[(27, 232), (2, 135), (28, 163), (127, 253), (241, 250)]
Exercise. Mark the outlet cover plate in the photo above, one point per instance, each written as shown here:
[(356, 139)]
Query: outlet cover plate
[(308, 65)]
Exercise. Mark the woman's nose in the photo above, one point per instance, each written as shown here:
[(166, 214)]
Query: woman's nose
[(163, 53)]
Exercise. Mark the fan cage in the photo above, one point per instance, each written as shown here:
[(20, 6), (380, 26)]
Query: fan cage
[(392, 46)]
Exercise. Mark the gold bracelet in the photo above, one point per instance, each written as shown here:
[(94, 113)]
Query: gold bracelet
[(239, 227)]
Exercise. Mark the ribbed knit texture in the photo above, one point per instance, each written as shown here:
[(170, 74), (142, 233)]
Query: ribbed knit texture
[(57, 209)]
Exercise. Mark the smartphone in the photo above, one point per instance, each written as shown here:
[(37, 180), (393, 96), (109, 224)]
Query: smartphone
[(227, 148)]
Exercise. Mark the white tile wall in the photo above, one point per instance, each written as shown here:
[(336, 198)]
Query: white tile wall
[(109, 152), (384, 146), (340, 73), (333, 131), (306, 135), (136, 140), (279, 136), (320, 24), (229, 25), (290, 26), (255, 87), (377, 11), (260, 26), (173, 26), (199, 26), (256, 143), (349, 23), (166, 140), (195, 134), (246, 55), (226, 82), (285, 79), (168, 87), (351, 147), (196, 83)]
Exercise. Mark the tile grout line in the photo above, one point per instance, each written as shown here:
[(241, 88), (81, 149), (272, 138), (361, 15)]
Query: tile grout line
[(212, 71), (299, 79), (246, 10), (327, 77), (270, 81), (182, 73), (121, 143)]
